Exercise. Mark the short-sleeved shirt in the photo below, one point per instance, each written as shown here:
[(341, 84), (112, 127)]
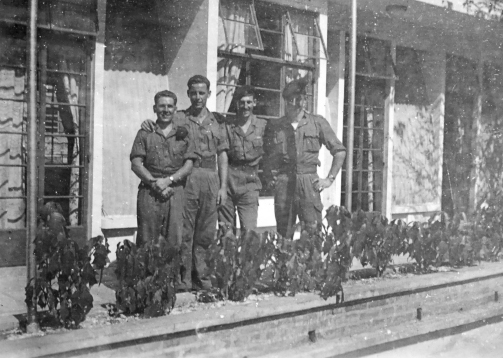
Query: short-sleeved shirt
[(246, 148), (164, 155), (289, 149), (209, 135)]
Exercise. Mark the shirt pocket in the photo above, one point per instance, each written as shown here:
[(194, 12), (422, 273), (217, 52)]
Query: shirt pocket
[(180, 148), (153, 155), (311, 140), (207, 140), (258, 145), (237, 148)]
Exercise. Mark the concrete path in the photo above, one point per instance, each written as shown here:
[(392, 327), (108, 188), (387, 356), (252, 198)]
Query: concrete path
[(484, 342)]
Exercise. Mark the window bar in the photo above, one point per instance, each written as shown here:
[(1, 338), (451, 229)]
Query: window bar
[(42, 112), (370, 156), (257, 29), (52, 104), (63, 166), (11, 132), (67, 72), (62, 196), (52, 129), (12, 99), (31, 211), (294, 39), (321, 39), (62, 135), (223, 23), (360, 157), (13, 165), (3, 64), (256, 57), (351, 109)]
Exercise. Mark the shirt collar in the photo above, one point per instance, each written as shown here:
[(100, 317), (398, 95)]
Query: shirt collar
[(171, 133), (208, 117), (240, 131)]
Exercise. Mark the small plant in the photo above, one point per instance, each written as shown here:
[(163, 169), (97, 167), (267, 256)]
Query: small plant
[(65, 273), (237, 263), (147, 278)]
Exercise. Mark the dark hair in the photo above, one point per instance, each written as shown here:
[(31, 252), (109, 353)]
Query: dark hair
[(198, 79), (165, 93), (244, 91)]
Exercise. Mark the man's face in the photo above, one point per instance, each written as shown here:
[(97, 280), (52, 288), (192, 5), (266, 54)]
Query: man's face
[(198, 94), (165, 108), (245, 106), (295, 104)]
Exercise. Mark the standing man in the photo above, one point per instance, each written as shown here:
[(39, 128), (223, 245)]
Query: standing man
[(292, 144), (206, 188), (245, 137), (162, 160)]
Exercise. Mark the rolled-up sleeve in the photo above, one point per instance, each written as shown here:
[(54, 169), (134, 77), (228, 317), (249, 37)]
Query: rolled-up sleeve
[(328, 137), (139, 148), (191, 148), (222, 142)]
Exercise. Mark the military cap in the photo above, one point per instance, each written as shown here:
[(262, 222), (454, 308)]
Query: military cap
[(244, 91), (295, 88)]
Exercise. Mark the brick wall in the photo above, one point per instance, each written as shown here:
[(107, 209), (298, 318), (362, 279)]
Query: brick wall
[(374, 313)]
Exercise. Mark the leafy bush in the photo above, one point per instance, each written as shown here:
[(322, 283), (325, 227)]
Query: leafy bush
[(375, 240), (237, 263), (146, 278), (65, 273), (317, 260)]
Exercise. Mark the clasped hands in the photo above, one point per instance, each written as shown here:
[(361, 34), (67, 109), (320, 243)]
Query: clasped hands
[(162, 187)]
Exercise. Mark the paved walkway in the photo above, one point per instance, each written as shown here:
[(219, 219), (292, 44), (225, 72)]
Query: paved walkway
[(484, 342), (12, 296)]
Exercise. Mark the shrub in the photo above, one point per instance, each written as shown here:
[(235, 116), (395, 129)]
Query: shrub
[(146, 278), (64, 270), (237, 263)]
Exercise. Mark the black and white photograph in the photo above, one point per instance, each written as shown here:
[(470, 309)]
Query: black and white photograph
[(251, 178)]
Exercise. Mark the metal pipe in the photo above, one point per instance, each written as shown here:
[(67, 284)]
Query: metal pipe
[(351, 109), (31, 209)]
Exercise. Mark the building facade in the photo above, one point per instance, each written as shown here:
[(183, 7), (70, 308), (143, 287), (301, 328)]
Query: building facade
[(428, 98)]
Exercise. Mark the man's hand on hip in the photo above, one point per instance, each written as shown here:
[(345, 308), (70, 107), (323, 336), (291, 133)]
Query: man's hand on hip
[(320, 184)]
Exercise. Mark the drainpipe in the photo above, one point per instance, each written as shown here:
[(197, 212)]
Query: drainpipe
[(32, 164), (351, 109)]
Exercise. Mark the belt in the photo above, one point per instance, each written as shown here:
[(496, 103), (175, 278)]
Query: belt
[(251, 169), (206, 163), (302, 169)]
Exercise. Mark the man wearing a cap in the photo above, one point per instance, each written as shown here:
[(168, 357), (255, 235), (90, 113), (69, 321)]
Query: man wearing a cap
[(245, 137), (292, 144)]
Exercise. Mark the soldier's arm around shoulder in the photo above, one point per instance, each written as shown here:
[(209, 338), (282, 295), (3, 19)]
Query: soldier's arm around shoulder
[(328, 136)]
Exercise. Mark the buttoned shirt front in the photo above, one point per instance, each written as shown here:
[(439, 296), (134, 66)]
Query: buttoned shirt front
[(209, 135), (289, 149), (163, 155), (246, 148)]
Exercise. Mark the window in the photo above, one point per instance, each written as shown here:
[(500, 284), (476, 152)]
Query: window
[(374, 66), (63, 93), (291, 49), (239, 25)]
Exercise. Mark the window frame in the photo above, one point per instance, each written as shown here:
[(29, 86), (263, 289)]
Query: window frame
[(86, 40), (249, 57), (251, 4), (359, 132)]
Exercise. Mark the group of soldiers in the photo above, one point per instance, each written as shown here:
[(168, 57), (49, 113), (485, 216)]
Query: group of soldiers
[(197, 167)]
